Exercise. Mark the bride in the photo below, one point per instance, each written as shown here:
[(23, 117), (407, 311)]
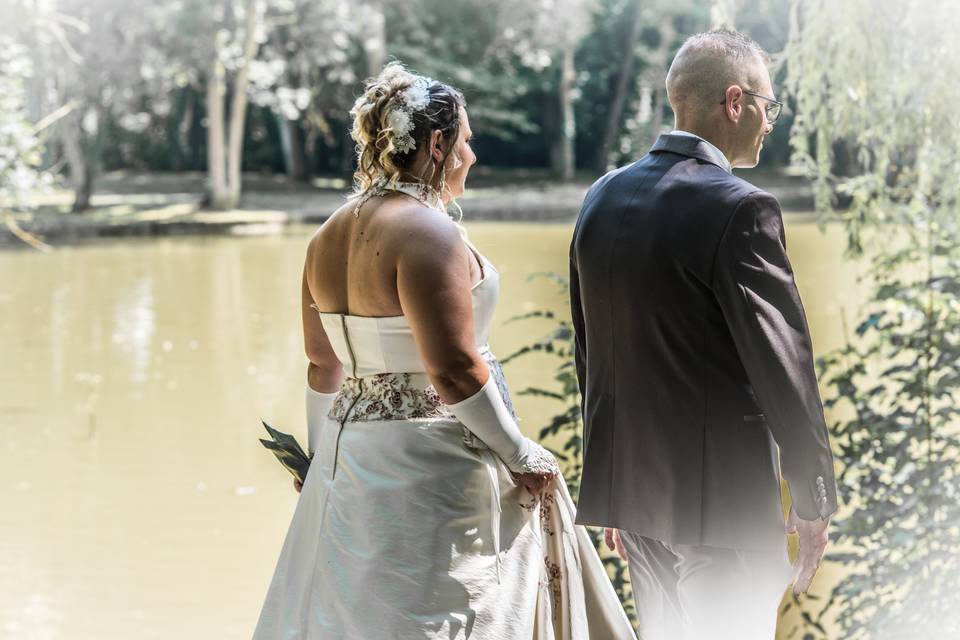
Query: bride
[(425, 513)]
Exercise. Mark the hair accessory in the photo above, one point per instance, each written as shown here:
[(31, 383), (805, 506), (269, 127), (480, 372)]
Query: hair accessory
[(414, 98)]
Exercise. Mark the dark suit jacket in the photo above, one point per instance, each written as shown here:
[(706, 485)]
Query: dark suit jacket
[(693, 356)]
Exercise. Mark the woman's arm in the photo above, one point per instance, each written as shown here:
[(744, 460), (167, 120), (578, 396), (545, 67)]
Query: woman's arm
[(433, 283), (324, 371)]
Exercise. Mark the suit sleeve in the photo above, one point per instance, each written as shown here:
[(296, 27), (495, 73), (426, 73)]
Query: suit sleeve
[(580, 336), (754, 285)]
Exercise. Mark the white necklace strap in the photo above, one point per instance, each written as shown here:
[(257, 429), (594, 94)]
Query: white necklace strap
[(423, 193)]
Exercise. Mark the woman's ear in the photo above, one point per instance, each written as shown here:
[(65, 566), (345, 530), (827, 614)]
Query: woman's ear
[(436, 145)]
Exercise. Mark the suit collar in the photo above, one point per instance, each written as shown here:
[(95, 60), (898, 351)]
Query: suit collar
[(693, 147)]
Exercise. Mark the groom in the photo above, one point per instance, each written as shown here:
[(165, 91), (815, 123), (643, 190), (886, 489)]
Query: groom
[(696, 367)]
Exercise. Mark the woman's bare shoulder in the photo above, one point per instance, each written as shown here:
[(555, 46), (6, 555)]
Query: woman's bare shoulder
[(329, 227), (421, 225), (405, 229)]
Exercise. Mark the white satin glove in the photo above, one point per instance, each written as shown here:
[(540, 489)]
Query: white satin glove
[(318, 406), (486, 416)]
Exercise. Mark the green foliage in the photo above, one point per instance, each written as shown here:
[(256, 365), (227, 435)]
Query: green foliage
[(597, 71), (884, 92), (137, 73), (567, 424), (490, 51), (19, 147)]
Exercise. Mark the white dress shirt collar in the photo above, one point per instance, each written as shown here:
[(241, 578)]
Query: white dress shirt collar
[(720, 155)]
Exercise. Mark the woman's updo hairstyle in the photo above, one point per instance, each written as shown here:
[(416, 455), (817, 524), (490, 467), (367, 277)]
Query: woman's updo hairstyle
[(380, 117)]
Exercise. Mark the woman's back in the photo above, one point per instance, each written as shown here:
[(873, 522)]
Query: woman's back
[(353, 260)]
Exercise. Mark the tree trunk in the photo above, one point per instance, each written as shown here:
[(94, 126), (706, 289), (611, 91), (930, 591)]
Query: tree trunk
[(347, 154), (217, 195), (80, 179), (82, 167), (562, 152), (196, 132), (615, 113), (286, 149), (310, 164), (238, 108), (657, 100), (723, 13), (291, 144), (375, 44), (176, 124), (660, 62), (68, 132), (83, 196), (301, 170)]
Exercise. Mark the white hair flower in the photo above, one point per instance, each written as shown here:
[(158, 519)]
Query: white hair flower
[(417, 95), (401, 124), (414, 98)]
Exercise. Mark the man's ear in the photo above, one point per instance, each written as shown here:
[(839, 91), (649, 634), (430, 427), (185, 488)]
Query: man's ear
[(733, 102)]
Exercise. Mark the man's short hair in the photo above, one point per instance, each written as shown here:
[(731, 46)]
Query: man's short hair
[(708, 63)]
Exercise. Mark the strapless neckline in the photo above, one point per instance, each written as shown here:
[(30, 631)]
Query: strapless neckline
[(486, 265), (371, 345), (473, 290)]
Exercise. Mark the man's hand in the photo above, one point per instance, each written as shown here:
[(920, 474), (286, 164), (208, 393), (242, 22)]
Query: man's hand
[(813, 541), (297, 485), (612, 538)]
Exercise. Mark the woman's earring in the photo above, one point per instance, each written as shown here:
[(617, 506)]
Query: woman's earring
[(457, 162), (433, 172)]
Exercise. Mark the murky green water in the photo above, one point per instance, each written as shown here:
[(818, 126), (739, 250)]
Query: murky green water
[(135, 500)]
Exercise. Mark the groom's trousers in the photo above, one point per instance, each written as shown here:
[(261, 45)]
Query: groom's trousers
[(685, 592)]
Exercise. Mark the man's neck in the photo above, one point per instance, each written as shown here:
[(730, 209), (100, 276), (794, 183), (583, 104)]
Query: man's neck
[(724, 161), (711, 136)]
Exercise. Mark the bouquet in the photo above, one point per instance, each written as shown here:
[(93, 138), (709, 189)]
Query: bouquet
[(288, 451)]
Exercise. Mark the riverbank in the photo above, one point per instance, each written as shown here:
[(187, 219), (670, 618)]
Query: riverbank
[(149, 204)]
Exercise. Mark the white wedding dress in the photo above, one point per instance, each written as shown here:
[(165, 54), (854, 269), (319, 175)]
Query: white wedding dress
[(409, 527)]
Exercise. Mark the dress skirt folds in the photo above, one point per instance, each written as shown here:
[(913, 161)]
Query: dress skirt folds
[(410, 529)]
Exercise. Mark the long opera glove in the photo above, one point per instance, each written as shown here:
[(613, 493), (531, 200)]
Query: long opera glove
[(318, 406), (486, 416)]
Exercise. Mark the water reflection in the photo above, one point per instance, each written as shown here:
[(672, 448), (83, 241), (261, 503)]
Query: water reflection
[(136, 500), (133, 327)]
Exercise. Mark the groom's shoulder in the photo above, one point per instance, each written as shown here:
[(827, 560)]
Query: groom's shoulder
[(717, 189), (736, 189), (660, 177), (610, 181), (610, 178), (744, 195)]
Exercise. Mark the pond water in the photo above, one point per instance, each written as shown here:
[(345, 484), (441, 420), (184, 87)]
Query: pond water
[(136, 499)]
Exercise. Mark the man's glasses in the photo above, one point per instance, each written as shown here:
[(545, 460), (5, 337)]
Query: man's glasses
[(773, 108)]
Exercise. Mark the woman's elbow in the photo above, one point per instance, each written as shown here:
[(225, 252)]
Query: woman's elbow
[(325, 379), (457, 378), (323, 362)]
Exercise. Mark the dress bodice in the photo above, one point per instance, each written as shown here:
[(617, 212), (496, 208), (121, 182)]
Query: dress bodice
[(369, 346)]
